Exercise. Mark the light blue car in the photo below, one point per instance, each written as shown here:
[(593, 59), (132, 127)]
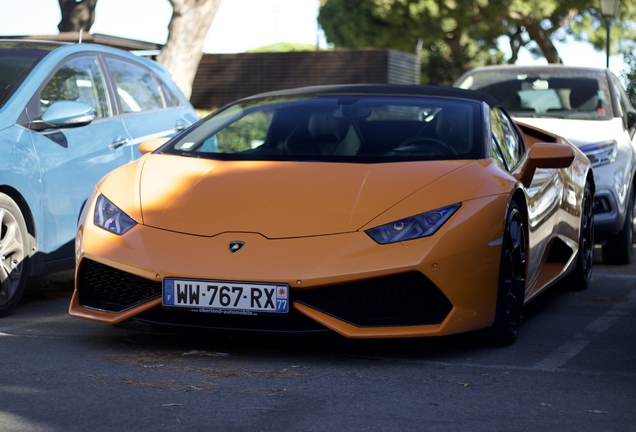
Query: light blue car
[(69, 114)]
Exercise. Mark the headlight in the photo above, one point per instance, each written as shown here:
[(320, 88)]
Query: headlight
[(602, 153), (111, 218), (421, 225)]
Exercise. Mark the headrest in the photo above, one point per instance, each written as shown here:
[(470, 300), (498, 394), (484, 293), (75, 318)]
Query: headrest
[(453, 126), (325, 124), (453, 121)]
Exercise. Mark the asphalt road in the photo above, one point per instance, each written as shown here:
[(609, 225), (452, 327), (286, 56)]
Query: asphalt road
[(573, 368)]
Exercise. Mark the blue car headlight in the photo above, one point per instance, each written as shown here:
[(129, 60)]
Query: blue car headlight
[(421, 225), (109, 217), (602, 153)]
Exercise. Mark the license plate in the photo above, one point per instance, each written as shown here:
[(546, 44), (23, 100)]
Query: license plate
[(225, 297)]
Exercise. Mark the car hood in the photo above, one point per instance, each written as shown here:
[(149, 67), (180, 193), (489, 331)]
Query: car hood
[(579, 132), (276, 199)]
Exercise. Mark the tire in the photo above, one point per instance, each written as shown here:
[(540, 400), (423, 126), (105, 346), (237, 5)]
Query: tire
[(634, 218), (580, 278), (619, 248), (512, 280), (14, 254)]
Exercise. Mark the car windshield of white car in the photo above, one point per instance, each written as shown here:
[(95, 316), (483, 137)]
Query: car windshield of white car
[(336, 128), (17, 60), (559, 93)]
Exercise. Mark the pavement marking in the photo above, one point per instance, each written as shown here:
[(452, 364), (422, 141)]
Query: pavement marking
[(506, 368), (611, 275), (619, 310), (555, 361), (563, 354), (571, 349)]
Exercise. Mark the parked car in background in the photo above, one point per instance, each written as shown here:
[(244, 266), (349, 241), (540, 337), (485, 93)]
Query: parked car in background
[(590, 108), (371, 211), (69, 114)]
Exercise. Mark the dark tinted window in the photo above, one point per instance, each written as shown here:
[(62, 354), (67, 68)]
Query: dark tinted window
[(339, 128), (546, 92), (15, 64)]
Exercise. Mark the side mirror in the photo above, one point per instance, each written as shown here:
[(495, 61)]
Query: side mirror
[(546, 155), (64, 114), (151, 145)]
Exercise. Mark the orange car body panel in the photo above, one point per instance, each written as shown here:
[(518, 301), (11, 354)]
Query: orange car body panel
[(179, 224)]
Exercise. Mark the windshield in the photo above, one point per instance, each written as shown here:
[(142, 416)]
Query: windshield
[(16, 61), (335, 128), (535, 92)]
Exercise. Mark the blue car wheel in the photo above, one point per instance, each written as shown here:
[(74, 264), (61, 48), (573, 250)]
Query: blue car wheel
[(13, 254)]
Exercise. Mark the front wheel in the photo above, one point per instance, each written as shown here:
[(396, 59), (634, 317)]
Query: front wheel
[(512, 280), (580, 278), (14, 254)]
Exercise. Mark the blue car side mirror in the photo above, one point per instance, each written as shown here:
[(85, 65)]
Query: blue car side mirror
[(64, 114)]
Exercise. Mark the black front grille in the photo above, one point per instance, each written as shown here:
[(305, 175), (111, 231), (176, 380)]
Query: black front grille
[(396, 300), (104, 287)]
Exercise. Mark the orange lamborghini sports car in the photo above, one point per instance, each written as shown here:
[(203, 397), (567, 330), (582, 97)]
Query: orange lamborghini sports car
[(369, 210)]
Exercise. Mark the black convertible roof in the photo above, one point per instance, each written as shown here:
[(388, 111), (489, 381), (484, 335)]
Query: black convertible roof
[(385, 89)]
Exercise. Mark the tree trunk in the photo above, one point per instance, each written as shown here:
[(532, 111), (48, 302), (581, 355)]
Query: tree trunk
[(190, 22), (516, 42), (77, 15), (542, 38), (457, 53)]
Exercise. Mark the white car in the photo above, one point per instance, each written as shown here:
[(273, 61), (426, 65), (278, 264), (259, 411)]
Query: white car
[(590, 108)]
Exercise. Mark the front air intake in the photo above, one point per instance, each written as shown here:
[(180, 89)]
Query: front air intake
[(404, 299), (106, 288)]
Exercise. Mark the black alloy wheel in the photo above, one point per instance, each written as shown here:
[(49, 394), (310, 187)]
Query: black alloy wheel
[(634, 218), (580, 278), (512, 280), (14, 254)]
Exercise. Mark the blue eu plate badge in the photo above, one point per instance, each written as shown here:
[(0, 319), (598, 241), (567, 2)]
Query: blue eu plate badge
[(168, 292)]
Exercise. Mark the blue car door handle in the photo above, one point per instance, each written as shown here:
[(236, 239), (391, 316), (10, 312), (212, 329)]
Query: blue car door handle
[(118, 143), (180, 125)]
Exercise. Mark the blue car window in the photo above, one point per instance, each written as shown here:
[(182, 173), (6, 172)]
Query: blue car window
[(169, 98), (16, 64), (79, 80), (137, 90)]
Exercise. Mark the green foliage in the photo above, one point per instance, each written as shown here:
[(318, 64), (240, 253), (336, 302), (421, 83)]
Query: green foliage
[(435, 65), (590, 26), (284, 47), (376, 23), (244, 134), (454, 34), (459, 34), (629, 76)]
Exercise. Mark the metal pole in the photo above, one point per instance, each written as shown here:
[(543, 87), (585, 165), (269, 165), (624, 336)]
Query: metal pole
[(607, 24)]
